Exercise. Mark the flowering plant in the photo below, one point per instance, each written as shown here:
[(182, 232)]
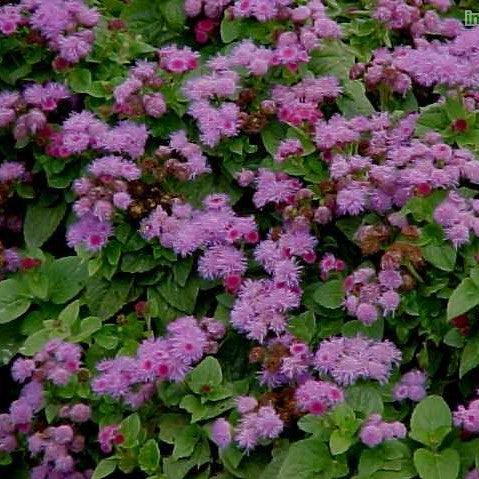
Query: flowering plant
[(239, 239)]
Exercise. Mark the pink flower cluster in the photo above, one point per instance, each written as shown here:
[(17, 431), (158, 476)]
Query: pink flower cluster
[(138, 95), (83, 131), (104, 189), (27, 111), (56, 362), (288, 148), (328, 264), (262, 305), (301, 102), (211, 8), (256, 423), (393, 166), (468, 417), (347, 359), (411, 386), (369, 296), (420, 21), (134, 379), (317, 397), (274, 187), (108, 436), (452, 63), (294, 365), (178, 60), (214, 122), (216, 228), (194, 161), (261, 10), (56, 444), (67, 25), (459, 217), (375, 431)]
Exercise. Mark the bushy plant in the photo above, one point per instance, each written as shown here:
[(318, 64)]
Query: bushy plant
[(239, 239)]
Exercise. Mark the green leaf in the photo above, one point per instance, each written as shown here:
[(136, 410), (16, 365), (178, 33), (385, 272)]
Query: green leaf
[(339, 442), (182, 298), (205, 376), (67, 276), (69, 314), (305, 460), (431, 421), (437, 465), (186, 441), (173, 13), (149, 456), (330, 294), (41, 221), (35, 342), (230, 29), (130, 428), (88, 326), (303, 326), (390, 460), (353, 101), (441, 256), (365, 399), (79, 80), (104, 468), (470, 356), (138, 263), (14, 300), (463, 298), (105, 298)]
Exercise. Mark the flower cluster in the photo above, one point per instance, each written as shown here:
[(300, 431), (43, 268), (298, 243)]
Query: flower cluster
[(177, 60), (66, 26), (284, 360), (393, 166), (375, 431), (288, 148), (451, 63), (301, 102), (369, 295), (57, 362), (328, 264), (317, 397), (83, 131), (417, 18), (216, 228), (133, 379), (348, 359), (411, 386), (256, 423), (458, 216), (56, 444), (27, 111), (138, 95), (468, 417), (104, 189), (192, 161), (108, 436)]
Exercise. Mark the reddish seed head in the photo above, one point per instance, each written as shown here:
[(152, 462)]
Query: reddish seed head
[(460, 125), (423, 189), (116, 24), (252, 237), (461, 321), (232, 283), (141, 308), (30, 263), (118, 439)]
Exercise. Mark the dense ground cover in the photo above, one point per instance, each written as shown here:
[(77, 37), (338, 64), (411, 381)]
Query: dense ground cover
[(239, 239)]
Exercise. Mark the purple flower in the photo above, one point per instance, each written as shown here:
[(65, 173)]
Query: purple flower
[(221, 433)]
